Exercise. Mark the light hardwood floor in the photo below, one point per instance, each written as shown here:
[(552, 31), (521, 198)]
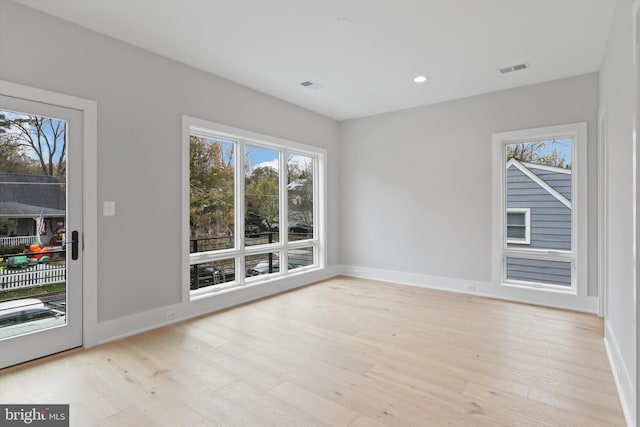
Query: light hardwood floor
[(344, 352)]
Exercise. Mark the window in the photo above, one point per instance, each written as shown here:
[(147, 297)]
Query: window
[(211, 193), (538, 200), (251, 207), (518, 226)]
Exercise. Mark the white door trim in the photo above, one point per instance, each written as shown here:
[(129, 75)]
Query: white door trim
[(89, 111), (633, 409), (603, 213)]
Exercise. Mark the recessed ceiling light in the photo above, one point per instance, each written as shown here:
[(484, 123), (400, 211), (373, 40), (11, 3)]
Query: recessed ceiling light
[(420, 79)]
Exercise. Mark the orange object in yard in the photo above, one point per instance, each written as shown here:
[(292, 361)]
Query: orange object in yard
[(39, 253)]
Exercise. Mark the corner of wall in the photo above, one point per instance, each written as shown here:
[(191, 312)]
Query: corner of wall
[(624, 381)]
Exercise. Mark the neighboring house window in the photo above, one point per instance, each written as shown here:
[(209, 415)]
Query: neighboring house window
[(518, 226), (539, 211), (252, 207)]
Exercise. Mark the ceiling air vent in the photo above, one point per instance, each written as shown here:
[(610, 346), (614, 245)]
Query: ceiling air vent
[(512, 68), (310, 85)]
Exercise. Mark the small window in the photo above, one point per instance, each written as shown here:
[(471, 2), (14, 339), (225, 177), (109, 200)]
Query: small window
[(518, 226)]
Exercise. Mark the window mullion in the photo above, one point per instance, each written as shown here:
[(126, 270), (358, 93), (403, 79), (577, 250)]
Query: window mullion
[(284, 209), (301, 244), (203, 257), (256, 250), (318, 222), (240, 210)]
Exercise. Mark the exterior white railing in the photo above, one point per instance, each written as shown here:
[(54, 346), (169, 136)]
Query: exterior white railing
[(37, 275), (17, 241)]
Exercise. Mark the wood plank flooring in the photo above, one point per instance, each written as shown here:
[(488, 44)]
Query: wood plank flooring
[(343, 352)]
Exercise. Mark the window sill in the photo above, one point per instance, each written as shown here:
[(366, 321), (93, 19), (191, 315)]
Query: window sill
[(254, 282)]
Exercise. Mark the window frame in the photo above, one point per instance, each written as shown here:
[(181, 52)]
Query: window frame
[(578, 253), (241, 137), (527, 226)]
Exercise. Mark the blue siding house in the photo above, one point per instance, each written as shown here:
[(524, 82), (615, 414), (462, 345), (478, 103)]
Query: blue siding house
[(538, 217)]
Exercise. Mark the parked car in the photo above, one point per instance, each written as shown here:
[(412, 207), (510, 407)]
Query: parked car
[(206, 275), (263, 268), (26, 315), (251, 230), (300, 229)]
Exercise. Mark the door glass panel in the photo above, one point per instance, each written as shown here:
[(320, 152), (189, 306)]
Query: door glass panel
[(300, 197), (211, 194), (262, 202), (33, 200)]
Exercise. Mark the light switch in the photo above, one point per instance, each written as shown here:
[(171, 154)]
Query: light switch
[(109, 208)]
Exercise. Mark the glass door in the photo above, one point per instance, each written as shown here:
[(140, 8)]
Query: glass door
[(40, 229)]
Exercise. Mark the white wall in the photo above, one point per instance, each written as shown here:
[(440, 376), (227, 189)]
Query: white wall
[(141, 98), (416, 184), (616, 97)]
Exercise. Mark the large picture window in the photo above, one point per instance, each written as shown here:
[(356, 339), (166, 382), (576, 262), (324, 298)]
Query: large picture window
[(251, 207)]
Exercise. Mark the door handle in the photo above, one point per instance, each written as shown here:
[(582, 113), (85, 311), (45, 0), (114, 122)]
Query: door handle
[(74, 245)]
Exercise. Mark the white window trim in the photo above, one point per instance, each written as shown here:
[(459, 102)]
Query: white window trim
[(578, 253), (191, 125), (527, 226)]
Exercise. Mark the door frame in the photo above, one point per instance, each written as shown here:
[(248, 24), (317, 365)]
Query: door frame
[(89, 111), (632, 413), (603, 213)]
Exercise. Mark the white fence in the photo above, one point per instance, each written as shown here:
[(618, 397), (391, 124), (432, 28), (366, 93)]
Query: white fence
[(17, 241), (37, 275)]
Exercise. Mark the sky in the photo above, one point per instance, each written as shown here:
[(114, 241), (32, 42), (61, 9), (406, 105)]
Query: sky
[(48, 132), (562, 145), (264, 157), (259, 156)]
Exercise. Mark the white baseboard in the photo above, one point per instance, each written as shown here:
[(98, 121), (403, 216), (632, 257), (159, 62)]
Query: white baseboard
[(624, 382), (140, 322), (530, 296)]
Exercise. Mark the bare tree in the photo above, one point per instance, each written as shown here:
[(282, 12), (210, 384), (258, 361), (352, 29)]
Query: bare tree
[(44, 137), (538, 152)]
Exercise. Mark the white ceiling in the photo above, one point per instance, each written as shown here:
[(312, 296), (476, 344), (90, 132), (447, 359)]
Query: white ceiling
[(368, 66)]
